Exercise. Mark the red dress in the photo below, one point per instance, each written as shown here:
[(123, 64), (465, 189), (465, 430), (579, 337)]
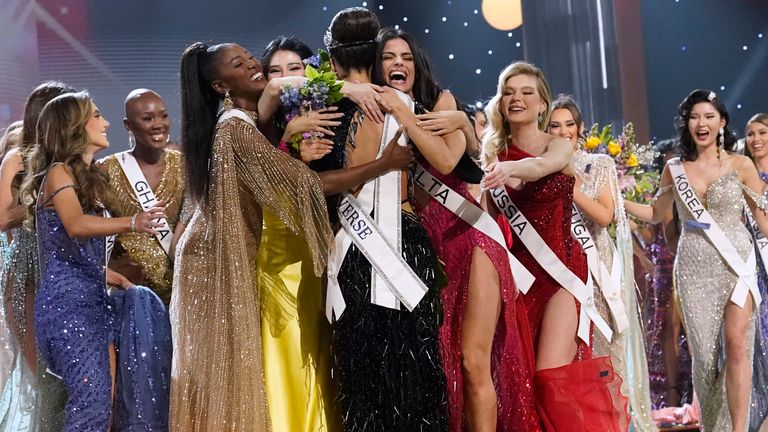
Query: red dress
[(512, 352), (584, 395)]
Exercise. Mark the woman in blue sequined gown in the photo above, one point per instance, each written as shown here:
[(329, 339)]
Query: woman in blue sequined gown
[(74, 318)]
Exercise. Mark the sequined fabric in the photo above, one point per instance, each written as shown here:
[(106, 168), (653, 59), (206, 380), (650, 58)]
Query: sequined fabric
[(75, 321), (512, 350), (386, 361), (627, 349), (217, 373), (655, 310), (144, 248), (758, 410), (585, 394), (701, 273)]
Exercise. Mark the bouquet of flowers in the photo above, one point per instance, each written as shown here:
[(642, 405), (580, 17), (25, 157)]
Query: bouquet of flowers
[(321, 90), (634, 162)]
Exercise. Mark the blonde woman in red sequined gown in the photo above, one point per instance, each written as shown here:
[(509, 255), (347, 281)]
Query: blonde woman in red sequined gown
[(574, 391)]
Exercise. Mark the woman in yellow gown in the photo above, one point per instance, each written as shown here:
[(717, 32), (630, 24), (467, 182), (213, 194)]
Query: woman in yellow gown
[(218, 378)]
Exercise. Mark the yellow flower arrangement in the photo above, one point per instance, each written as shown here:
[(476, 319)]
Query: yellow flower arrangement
[(614, 148), (592, 143), (632, 160)]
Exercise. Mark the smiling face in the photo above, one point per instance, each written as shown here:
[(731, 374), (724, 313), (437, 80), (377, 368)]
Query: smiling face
[(96, 129), (563, 124), (398, 66), (239, 72), (704, 124), (757, 139), (285, 63), (147, 117), (520, 101)]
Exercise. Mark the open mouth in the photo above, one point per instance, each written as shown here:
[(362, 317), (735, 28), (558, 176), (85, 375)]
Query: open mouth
[(159, 137), (397, 77), (257, 76), (702, 134)]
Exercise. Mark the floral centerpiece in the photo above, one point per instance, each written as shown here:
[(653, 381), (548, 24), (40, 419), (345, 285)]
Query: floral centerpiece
[(321, 90), (638, 178)]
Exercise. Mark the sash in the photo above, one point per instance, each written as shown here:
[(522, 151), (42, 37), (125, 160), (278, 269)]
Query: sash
[(757, 237), (746, 271), (147, 199), (378, 238), (475, 217), (552, 265), (608, 281), (109, 241)]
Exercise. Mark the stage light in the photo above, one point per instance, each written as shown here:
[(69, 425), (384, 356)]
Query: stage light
[(503, 14)]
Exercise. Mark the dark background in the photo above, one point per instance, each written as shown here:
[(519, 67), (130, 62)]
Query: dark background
[(655, 51)]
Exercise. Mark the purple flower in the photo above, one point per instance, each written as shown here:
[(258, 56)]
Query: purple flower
[(313, 61)]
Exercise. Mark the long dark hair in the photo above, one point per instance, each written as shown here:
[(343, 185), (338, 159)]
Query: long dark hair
[(425, 88), (687, 145), (199, 107), (351, 38), (285, 43)]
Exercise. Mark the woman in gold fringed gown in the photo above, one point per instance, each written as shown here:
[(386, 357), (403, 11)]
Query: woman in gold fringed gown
[(233, 173)]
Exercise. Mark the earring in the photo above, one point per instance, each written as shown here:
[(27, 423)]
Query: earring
[(722, 137), (541, 117), (228, 104), (131, 139)]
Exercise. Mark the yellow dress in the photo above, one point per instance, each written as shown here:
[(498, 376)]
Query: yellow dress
[(217, 377), (295, 333), (143, 248)]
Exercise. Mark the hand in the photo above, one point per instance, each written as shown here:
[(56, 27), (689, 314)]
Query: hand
[(366, 96), (395, 156), (125, 266), (496, 175), (147, 221), (442, 122), (314, 121), (314, 149), (389, 100), (115, 279)]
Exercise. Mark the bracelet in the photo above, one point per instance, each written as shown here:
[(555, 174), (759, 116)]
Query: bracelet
[(133, 222)]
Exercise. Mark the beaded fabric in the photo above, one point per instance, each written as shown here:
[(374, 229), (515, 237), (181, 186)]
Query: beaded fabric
[(143, 248), (702, 273), (217, 373)]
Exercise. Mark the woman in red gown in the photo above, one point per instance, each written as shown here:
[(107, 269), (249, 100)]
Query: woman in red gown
[(485, 344), (574, 392)]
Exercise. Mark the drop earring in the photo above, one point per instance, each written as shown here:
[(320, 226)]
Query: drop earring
[(131, 139), (228, 104)]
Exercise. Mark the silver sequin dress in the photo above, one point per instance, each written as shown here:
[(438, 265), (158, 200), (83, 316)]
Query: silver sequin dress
[(705, 284), (626, 349)]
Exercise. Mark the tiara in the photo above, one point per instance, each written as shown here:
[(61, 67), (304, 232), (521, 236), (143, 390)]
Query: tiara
[(331, 43), (711, 96)]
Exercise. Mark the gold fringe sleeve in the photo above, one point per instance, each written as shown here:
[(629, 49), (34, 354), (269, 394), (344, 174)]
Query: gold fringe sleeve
[(218, 373)]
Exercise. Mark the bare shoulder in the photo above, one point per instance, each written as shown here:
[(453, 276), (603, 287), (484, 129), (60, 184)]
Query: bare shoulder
[(13, 159), (446, 102)]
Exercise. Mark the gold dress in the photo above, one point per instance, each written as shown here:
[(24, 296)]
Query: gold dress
[(295, 333), (218, 381), (705, 283), (626, 349), (144, 248)]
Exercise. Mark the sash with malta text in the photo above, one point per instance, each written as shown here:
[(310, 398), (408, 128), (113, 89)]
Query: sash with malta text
[(146, 197), (608, 281), (475, 217), (379, 238), (552, 265), (746, 271)]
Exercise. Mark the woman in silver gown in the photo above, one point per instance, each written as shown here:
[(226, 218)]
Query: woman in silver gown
[(598, 198), (721, 333)]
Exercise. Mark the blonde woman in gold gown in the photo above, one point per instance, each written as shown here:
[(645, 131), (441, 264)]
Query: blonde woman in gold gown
[(233, 173)]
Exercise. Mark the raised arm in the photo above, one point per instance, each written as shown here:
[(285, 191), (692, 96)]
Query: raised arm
[(444, 122), (443, 153), (661, 204), (269, 101), (60, 187), (556, 157)]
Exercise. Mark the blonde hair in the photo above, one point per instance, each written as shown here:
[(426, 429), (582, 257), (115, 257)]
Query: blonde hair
[(495, 139), (62, 138), (11, 137)]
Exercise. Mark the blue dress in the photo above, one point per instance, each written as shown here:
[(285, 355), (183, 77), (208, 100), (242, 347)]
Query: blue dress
[(75, 321)]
